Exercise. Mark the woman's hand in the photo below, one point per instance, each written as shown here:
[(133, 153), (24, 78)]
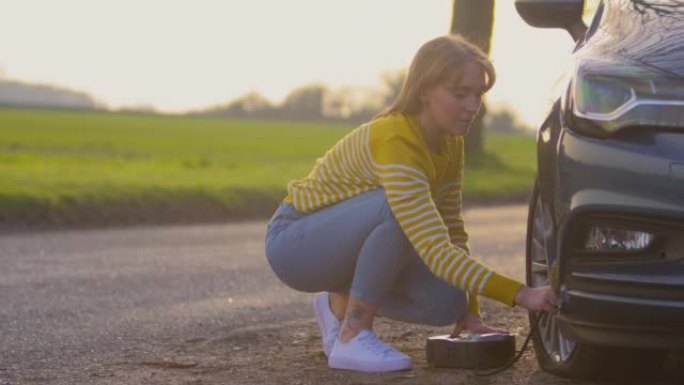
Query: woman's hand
[(474, 324), (537, 298)]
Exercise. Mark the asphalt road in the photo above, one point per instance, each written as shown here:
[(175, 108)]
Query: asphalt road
[(74, 300)]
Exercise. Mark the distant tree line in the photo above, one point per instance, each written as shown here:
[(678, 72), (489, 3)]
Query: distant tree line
[(504, 121), (18, 94), (315, 102)]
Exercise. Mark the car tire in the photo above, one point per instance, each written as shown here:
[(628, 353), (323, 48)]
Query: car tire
[(555, 352)]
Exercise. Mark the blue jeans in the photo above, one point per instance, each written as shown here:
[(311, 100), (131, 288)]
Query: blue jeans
[(357, 246)]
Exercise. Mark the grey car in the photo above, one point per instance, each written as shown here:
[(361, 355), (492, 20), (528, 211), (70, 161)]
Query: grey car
[(606, 219)]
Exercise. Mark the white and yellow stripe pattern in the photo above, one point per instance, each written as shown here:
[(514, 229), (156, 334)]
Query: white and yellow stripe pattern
[(423, 190)]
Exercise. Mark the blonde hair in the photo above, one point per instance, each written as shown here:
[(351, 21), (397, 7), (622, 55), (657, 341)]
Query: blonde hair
[(439, 61)]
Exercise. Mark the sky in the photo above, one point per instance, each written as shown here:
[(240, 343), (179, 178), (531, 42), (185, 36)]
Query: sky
[(178, 55)]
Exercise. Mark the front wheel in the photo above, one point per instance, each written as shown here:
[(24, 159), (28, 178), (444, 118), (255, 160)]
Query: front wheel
[(556, 353)]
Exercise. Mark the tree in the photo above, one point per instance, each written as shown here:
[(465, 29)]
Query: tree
[(474, 19), (305, 103), (249, 104), (352, 104)]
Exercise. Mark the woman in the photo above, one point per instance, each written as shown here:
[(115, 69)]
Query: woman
[(376, 226)]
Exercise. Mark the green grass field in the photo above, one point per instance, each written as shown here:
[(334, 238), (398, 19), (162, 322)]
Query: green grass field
[(71, 167)]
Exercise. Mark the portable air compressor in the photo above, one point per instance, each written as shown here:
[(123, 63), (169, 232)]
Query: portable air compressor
[(478, 351)]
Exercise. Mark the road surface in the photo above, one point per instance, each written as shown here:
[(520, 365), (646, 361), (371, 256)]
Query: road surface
[(186, 304)]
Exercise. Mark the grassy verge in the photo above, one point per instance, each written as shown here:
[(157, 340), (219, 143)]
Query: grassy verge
[(504, 173), (60, 167)]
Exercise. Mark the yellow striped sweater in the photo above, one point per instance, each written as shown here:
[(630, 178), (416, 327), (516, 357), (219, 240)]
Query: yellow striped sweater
[(423, 190)]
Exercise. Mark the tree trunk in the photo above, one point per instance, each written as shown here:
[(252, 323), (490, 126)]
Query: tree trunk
[(474, 20)]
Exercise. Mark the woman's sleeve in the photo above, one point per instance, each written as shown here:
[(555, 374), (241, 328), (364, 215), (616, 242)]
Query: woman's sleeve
[(449, 204), (402, 172)]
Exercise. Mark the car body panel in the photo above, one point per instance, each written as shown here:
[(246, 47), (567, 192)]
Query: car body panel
[(647, 32), (632, 178)]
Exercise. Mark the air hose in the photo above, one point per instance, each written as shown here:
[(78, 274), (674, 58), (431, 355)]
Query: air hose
[(488, 372)]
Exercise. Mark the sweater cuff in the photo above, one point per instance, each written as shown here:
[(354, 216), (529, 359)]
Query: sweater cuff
[(502, 288)]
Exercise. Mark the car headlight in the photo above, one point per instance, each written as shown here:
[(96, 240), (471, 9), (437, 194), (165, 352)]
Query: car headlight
[(609, 96), (602, 238)]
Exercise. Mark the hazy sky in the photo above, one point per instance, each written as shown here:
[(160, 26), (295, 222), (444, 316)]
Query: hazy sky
[(182, 54)]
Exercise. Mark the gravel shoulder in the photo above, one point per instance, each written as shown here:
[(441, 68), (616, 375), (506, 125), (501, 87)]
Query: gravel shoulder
[(291, 354)]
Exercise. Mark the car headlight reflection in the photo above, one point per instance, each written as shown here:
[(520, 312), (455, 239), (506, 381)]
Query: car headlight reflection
[(609, 96), (602, 238)]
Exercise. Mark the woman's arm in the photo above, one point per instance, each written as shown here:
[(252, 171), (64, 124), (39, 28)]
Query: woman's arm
[(402, 171), (449, 206)]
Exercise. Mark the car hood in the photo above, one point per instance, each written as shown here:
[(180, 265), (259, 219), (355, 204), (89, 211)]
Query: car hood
[(650, 32)]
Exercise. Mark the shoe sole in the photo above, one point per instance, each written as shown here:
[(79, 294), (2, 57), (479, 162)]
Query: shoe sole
[(363, 366)]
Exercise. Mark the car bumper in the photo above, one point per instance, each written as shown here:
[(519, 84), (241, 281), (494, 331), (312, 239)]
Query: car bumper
[(633, 299), (614, 320)]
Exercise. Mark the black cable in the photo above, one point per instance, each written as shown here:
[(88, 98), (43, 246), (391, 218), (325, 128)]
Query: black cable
[(533, 329)]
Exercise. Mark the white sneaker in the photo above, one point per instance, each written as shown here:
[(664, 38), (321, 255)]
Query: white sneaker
[(327, 322), (366, 353)]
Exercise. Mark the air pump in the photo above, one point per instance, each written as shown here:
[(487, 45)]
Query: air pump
[(476, 351)]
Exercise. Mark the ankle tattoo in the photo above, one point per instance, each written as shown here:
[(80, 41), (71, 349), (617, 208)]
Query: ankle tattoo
[(355, 321), (357, 313)]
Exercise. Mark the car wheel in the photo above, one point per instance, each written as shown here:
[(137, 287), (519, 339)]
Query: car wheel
[(558, 354)]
